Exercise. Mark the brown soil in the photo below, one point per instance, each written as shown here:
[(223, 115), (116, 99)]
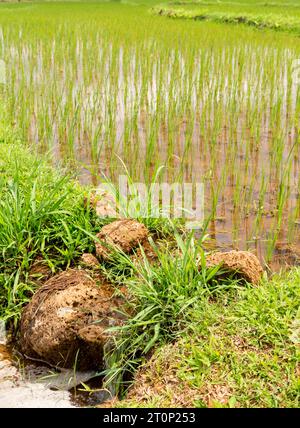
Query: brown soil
[(89, 260), (66, 321), (103, 202), (106, 204), (147, 251), (4, 353), (123, 235), (40, 270), (245, 264)]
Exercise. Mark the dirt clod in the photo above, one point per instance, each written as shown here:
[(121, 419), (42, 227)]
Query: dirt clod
[(66, 321), (124, 235), (245, 264), (89, 260), (103, 203)]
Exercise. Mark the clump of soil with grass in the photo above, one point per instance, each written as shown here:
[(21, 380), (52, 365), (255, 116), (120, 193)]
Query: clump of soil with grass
[(123, 235), (67, 318), (243, 263)]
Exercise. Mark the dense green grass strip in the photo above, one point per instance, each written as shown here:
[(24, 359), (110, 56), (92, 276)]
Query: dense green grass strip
[(240, 349), (278, 22)]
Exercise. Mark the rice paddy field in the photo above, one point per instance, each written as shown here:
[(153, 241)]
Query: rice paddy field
[(179, 92), (90, 83)]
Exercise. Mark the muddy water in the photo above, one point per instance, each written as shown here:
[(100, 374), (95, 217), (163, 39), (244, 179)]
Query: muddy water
[(26, 384), (242, 186), (246, 216)]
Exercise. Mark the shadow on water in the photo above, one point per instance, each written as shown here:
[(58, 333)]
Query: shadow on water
[(26, 383)]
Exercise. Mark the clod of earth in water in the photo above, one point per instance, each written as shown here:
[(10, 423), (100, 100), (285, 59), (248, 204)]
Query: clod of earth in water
[(65, 322), (124, 235), (245, 264)]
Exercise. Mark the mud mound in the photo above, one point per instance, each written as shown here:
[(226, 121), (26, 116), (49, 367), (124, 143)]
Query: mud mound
[(124, 235), (245, 264), (66, 321)]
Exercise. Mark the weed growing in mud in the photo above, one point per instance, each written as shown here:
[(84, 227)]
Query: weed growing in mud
[(161, 297), (144, 204)]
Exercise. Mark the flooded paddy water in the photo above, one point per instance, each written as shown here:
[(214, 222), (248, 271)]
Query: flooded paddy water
[(214, 107), (246, 154)]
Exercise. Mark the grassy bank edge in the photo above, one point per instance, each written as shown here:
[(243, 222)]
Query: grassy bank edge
[(286, 24), (239, 350)]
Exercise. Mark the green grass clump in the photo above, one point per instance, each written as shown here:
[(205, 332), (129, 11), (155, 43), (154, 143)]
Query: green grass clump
[(97, 82), (161, 297), (239, 350), (42, 217)]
